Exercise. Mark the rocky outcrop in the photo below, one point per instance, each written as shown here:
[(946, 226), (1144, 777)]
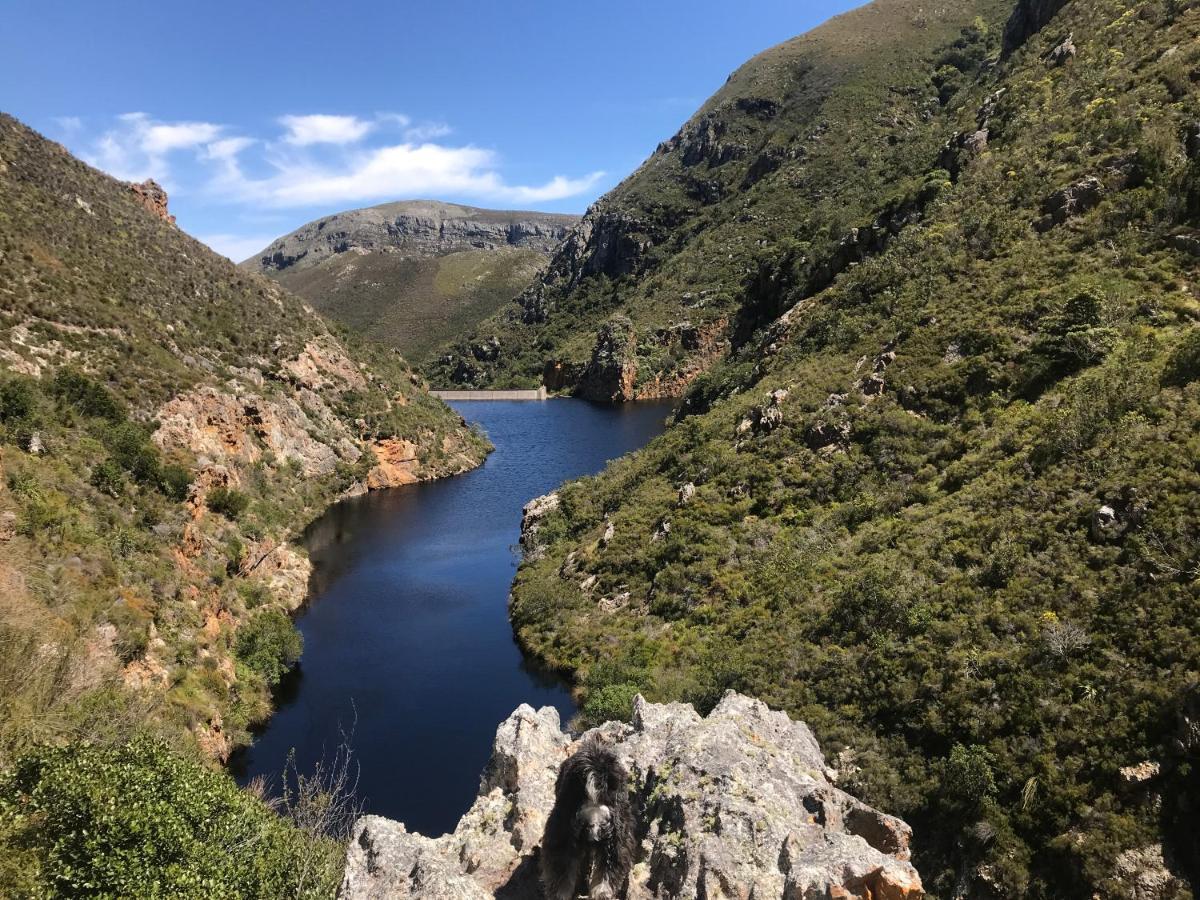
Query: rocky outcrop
[(419, 228), (151, 195), (737, 804), (605, 242), (532, 515), (611, 375), (1069, 202), (397, 464), (1028, 18)]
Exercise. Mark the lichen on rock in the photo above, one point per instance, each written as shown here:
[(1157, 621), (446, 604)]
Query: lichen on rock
[(736, 804)]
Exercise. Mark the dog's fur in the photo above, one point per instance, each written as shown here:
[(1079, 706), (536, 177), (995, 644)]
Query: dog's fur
[(587, 847)]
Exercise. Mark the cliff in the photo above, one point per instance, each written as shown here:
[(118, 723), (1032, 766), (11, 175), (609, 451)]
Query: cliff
[(736, 804), (417, 273)]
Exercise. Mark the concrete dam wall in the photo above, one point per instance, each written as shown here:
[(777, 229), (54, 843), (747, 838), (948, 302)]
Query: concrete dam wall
[(539, 394)]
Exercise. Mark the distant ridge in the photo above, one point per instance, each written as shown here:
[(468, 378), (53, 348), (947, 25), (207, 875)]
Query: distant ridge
[(413, 273)]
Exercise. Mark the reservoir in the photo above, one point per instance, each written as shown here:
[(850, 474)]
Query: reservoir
[(407, 644)]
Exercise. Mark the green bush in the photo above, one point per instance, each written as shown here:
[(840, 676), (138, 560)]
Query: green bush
[(613, 702), (174, 482), (17, 400), (108, 478), (141, 821), (269, 644), (87, 396), (228, 502), (1183, 366)]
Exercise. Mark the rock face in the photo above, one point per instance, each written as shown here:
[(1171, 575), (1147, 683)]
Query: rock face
[(1028, 18), (738, 804), (416, 228), (152, 196), (612, 373)]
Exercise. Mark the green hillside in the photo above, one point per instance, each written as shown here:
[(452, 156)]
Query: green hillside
[(413, 274), (804, 144), (168, 425), (414, 304), (938, 495)]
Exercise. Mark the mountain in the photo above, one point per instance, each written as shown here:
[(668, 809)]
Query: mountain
[(413, 274), (799, 154), (169, 424), (927, 280)]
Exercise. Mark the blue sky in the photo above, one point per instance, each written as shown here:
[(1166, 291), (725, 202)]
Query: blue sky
[(260, 116)]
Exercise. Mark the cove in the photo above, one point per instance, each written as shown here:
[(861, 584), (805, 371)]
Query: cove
[(406, 633)]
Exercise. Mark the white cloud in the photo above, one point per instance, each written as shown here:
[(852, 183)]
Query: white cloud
[(322, 129), (401, 170), (69, 124), (138, 147), (237, 246), (320, 163), (427, 131)]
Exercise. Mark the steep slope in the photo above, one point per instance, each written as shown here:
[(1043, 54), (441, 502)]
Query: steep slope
[(798, 154), (413, 274), (942, 505), (169, 424)]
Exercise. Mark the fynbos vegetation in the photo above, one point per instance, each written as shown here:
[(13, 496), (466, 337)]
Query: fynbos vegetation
[(938, 499)]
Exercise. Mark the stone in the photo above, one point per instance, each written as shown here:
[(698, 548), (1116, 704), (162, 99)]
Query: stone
[(686, 493), (153, 198), (1062, 53), (611, 375), (736, 804), (1027, 19), (532, 514), (1137, 775), (1073, 200)]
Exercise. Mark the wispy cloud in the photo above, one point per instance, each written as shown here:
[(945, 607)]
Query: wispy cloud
[(318, 161), (399, 170), (137, 147), (303, 131)]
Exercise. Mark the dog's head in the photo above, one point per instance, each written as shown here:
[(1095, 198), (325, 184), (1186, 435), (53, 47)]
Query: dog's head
[(594, 822)]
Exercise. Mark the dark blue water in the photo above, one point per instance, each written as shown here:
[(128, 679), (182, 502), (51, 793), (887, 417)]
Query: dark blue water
[(407, 640)]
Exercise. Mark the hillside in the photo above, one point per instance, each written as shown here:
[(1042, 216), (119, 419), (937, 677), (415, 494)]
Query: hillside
[(169, 423), (935, 491), (414, 274), (816, 150)]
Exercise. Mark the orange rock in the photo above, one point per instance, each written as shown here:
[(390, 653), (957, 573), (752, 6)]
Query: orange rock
[(151, 195), (397, 464)]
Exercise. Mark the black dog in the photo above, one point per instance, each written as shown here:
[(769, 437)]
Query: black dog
[(587, 847)]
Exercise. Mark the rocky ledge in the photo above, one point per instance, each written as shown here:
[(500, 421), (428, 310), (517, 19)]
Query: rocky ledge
[(738, 804)]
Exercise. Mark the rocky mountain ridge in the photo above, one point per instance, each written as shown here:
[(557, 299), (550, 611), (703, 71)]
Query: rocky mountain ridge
[(413, 274), (739, 803), (413, 227)]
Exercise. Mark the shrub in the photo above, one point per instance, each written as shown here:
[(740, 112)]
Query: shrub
[(613, 702), (141, 821), (17, 399), (87, 396), (1183, 366), (228, 502), (108, 478), (132, 450), (269, 644), (174, 482)]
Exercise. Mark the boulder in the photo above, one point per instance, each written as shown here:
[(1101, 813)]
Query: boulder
[(1073, 200), (736, 804)]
